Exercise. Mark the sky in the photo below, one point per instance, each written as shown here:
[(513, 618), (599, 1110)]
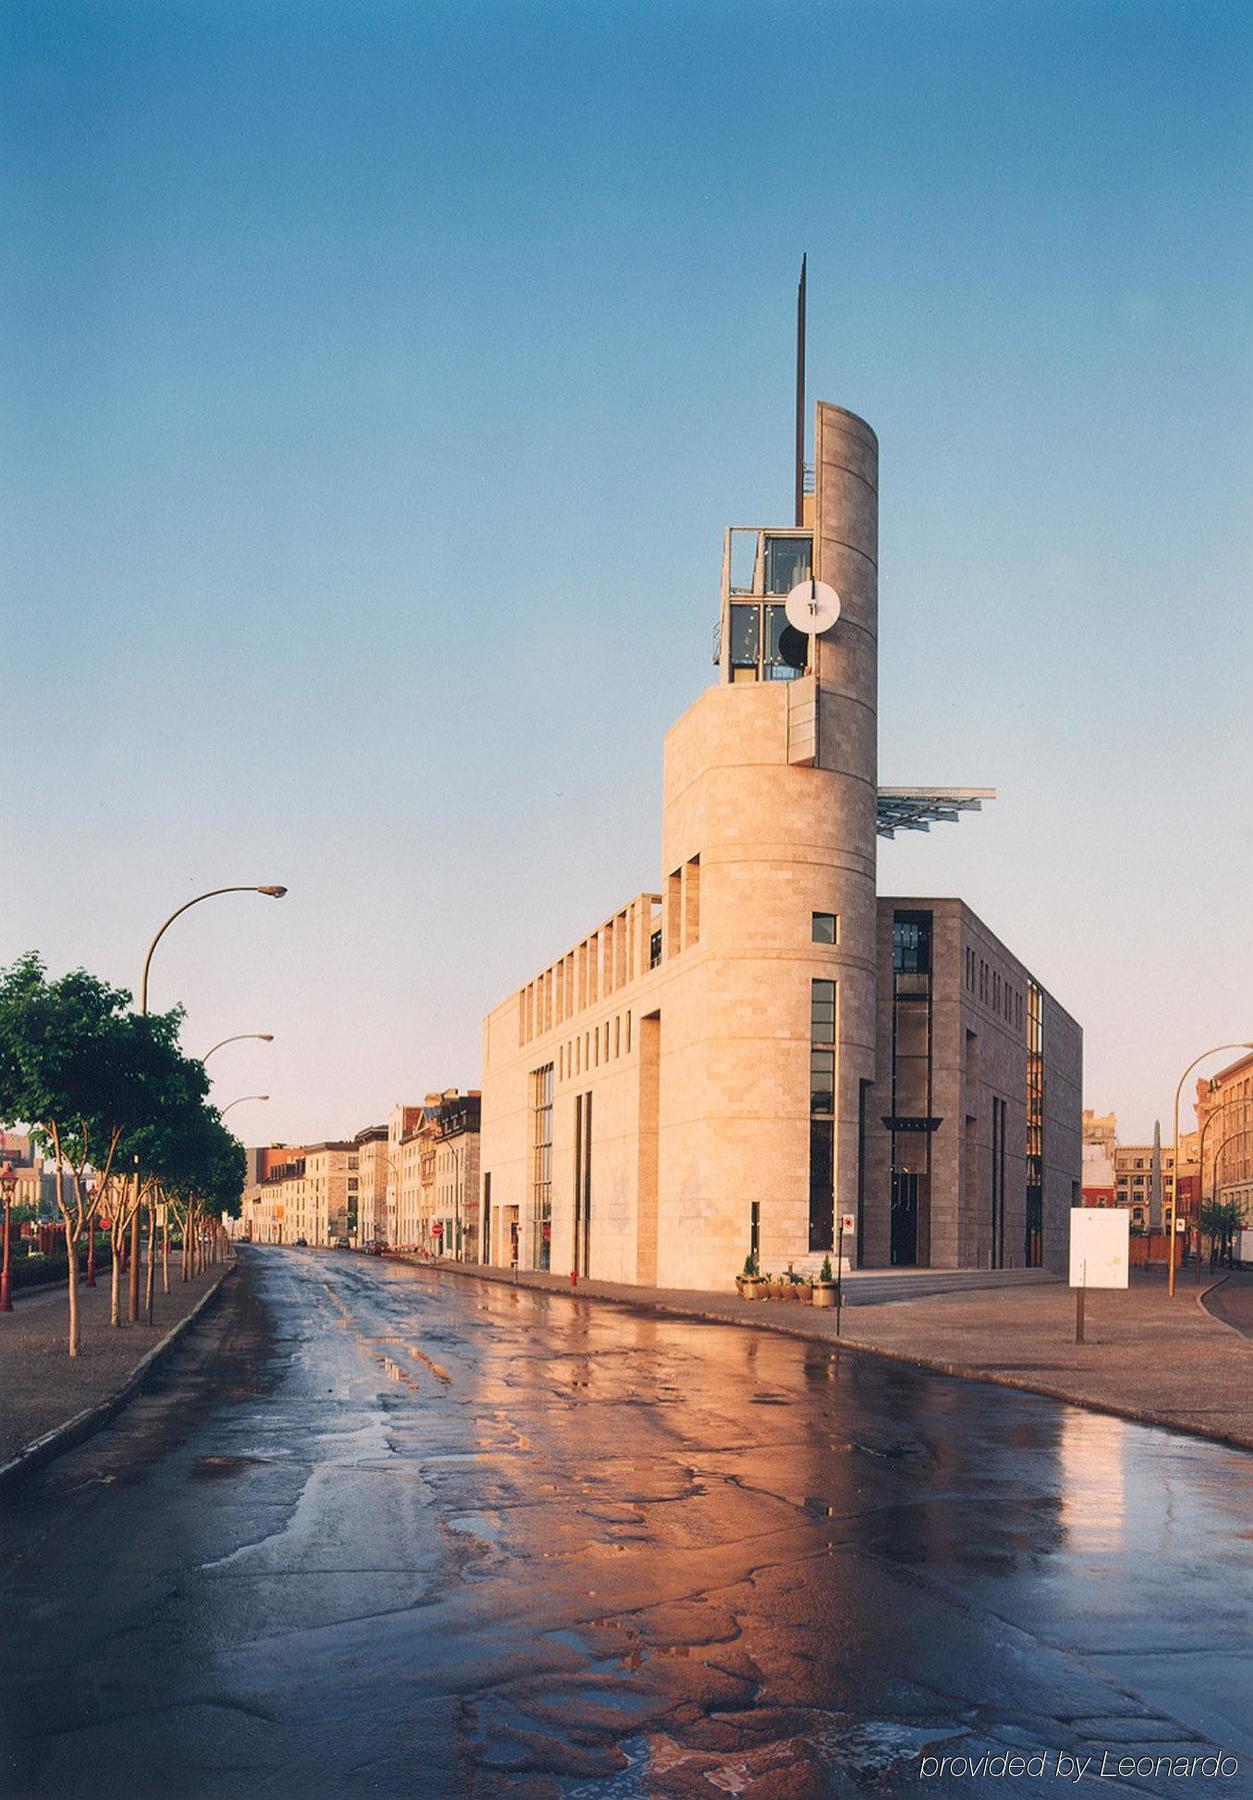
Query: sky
[(378, 383)]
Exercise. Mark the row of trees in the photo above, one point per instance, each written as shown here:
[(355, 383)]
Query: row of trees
[(106, 1092)]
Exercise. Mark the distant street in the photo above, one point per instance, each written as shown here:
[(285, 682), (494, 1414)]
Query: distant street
[(388, 1532)]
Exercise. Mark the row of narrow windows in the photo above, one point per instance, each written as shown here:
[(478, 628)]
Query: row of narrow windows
[(635, 940), (1001, 996), (588, 1049)]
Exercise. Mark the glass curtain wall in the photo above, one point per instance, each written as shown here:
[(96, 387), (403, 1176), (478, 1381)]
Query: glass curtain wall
[(911, 1088), (764, 647), (542, 1167), (822, 1115)]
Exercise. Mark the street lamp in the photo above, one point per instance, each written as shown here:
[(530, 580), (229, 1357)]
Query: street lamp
[(275, 893), (8, 1187), (1174, 1191), (1224, 1106), (1229, 1139), (243, 1099), (262, 1037)]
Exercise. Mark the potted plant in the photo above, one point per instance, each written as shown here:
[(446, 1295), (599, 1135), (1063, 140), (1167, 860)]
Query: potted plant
[(749, 1282), (824, 1287)]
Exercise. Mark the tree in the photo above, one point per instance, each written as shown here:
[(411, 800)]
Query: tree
[(1220, 1220), (81, 1070), (197, 1165)]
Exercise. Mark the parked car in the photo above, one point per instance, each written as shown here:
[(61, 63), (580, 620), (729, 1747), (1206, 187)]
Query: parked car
[(374, 1248), (342, 1243), (301, 1243)]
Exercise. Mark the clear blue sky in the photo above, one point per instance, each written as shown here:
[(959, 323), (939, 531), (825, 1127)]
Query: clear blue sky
[(378, 381)]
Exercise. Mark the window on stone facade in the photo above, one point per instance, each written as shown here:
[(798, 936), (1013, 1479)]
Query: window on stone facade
[(821, 1110), (824, 928), (822, 1081)]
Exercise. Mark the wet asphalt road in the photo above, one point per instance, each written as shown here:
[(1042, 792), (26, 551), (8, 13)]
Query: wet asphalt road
[(382, 1532)]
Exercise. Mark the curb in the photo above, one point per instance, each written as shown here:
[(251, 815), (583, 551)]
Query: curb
[(1204, 1295), (958, 1371), (64, 1437)]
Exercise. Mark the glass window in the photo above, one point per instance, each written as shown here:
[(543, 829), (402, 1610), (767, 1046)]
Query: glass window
[(822, 1012), (745, 636), (911, 946), (743, 561), (788, 560), (787, 650), (824, 928), (822, 1081), (821, 1184)]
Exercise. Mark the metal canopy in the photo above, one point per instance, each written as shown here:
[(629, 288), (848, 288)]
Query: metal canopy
[(919, 808)]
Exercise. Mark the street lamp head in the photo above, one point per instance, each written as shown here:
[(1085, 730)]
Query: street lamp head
[(275, 893), (8, 1181), (266, 1037)]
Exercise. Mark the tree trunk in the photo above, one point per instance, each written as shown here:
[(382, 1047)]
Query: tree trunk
[(165, 1251), (115, 1283), (132, 1292), (151, 1279), (71, 1257)]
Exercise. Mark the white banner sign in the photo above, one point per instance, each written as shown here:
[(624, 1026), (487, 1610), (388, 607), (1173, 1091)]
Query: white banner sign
[(1100, 1240)]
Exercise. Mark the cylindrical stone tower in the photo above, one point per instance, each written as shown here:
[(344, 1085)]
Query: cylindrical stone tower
[(768, 1025)]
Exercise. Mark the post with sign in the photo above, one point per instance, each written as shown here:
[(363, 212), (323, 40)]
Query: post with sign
[(1100, 1252), (844, 1222)]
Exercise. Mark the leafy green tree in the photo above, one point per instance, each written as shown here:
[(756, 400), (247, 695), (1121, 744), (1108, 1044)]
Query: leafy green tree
[(82, 1071), (199, 1168), (1220, 1220)]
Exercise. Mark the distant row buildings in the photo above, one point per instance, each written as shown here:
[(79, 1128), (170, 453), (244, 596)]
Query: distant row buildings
[(36, 1174), (1215, 1157), (763, 1058), (410, 1184)]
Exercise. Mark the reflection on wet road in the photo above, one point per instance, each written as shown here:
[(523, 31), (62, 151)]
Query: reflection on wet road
[(384, 1532)]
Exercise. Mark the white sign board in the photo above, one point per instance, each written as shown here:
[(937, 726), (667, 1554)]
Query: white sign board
[(1100, 1239), (847, 1223)]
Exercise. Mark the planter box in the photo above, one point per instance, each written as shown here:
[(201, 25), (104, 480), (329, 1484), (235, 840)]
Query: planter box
[(824, 1294), (750, 1287)]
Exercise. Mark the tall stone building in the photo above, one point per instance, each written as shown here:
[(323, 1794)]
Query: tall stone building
[(761, 1047)]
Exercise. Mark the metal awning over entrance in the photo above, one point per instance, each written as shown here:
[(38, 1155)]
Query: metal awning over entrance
[(919, 808)]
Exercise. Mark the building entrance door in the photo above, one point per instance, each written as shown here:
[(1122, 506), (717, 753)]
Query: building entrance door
[(904, 1217)]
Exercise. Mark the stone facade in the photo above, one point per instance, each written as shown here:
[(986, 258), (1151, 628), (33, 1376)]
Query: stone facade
[(971, 1207), (1224, 1112), (371, 1148), (302, 1193), (698, 1077)]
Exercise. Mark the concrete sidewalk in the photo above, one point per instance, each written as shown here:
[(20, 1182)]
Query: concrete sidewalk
[(42, 1387), (1147, 1357)]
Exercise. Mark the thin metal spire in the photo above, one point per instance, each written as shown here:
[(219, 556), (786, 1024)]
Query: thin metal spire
[(800, 396)]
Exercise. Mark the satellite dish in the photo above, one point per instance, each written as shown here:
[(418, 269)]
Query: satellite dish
[(812, 607)]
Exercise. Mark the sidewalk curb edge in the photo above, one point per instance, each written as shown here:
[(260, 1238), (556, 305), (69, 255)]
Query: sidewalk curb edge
[(958, 1371), (75, 1430)]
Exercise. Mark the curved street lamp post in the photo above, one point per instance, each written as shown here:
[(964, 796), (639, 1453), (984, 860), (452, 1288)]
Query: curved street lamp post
[(1174, 1188), (274, 892), (261, 1037), (242, 1101), (1229, 1139)]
